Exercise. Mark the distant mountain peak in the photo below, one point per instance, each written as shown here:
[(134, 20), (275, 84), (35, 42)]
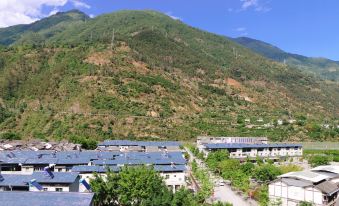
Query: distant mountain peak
[(325, 68)]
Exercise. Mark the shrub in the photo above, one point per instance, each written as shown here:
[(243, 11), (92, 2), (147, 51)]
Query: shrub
[(86, 143), (10, 136), (319, 160)]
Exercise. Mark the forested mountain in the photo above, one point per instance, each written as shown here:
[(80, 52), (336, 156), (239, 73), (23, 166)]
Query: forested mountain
[(325, 68), (141, 74)]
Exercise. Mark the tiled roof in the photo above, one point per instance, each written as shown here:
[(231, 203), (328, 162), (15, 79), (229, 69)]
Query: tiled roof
[(327, 168), (327, 187), (306, 175)]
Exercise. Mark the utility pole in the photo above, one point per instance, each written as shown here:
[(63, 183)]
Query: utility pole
[(112, 42)]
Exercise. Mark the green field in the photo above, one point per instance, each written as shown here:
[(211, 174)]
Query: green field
[(320, 145)]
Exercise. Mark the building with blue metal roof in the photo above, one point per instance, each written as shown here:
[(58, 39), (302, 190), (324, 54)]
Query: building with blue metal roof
[(126, 144), (242, 150), (19, 198), (166, 158), (61, 181)]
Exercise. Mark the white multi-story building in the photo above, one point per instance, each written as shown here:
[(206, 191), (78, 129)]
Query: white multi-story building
[(318, 186), (242, 151), (230, 140)]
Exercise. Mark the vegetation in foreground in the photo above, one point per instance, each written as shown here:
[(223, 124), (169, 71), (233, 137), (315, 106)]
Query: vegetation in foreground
[(248, 178), (140, 186)]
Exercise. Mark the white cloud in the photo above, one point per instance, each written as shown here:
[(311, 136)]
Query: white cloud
[(248, 3), (80, 4), (14, 12), (92, 16), (54, 11), (172, 16), (240, 29), (257, 5)]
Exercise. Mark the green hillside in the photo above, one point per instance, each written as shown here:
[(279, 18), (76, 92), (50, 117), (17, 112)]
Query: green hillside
[(41, 30), (141, 74), (325, 68)]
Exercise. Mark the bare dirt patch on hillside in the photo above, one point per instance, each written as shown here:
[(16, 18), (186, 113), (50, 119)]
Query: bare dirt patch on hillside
[(234, 83), (99, 58)]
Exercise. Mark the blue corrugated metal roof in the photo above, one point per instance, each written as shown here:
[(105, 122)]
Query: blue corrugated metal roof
[(139, 143), (102, 169), (73, 161), (240, 146), (13, 160), (92, 169), (15, 180), (169, 168), (42, 161), (46, 198), (140, 158), (99, 158), (22, 180), (59, 177)]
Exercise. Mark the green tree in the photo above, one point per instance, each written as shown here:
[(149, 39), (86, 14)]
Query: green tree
[(214, 158), (266, 172), (240, 180), (142, 186), (132, 186), (247, 168), (304, 203), (105, 190), (4, 114), (184, 197), (221, 204), (261, 195), (228, 167)]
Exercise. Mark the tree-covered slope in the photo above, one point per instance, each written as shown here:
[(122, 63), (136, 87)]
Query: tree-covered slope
[(41, 30), (141, 74), (325, 68)]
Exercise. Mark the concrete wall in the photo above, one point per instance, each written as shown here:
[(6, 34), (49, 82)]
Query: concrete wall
[(255, 152), (292, 195), (174, 179)]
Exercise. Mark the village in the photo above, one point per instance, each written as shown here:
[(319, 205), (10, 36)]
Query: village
[(64, 170)]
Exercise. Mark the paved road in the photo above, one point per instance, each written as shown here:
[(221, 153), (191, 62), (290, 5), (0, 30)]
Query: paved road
[(222, 193), (225, 194)]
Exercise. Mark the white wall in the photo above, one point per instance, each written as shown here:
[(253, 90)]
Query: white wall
[(291, 195)]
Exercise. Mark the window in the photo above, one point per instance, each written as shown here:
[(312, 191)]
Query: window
[(45, 189), (58, 189), (38, 168), (167, 177), (59, 170)]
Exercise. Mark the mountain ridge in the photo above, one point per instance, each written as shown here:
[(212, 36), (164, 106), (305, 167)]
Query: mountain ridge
[(325, 68), (141, 74)]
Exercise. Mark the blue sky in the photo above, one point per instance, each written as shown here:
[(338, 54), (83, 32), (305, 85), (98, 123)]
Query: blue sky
[(307, 27)]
